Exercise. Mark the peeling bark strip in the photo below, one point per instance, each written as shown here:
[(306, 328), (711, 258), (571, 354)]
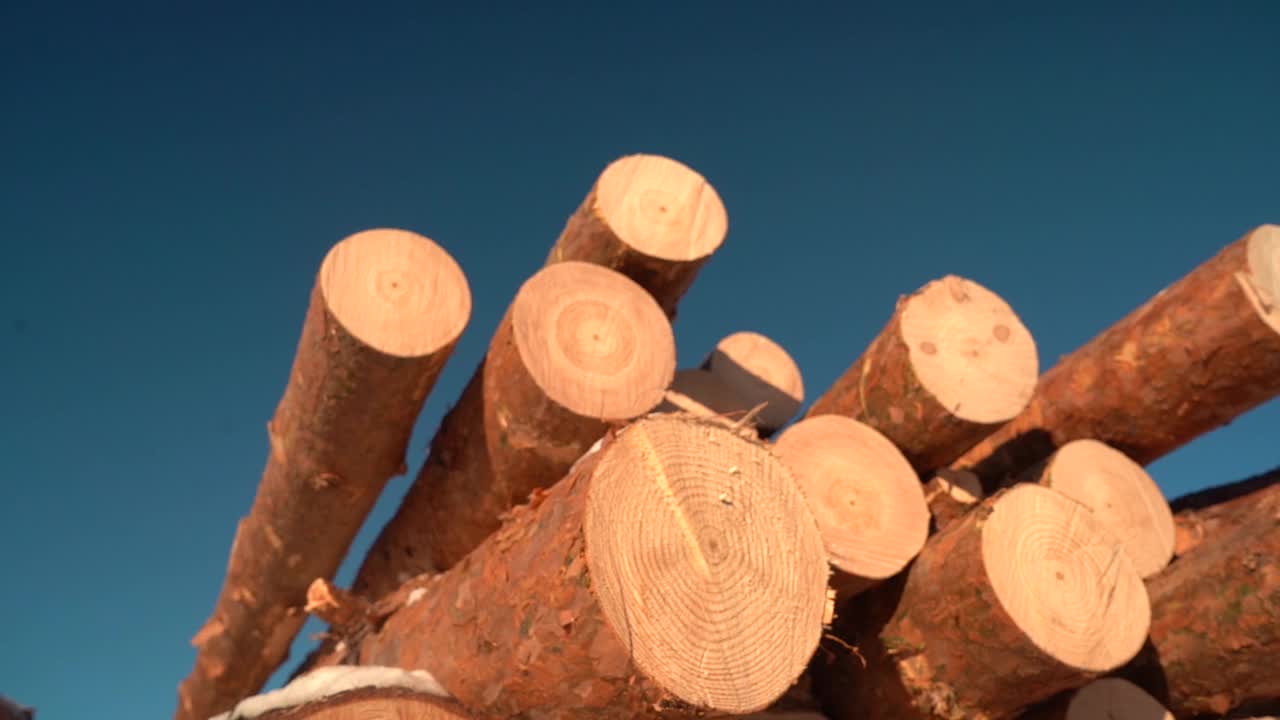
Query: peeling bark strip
[(758, 370), (650, 218), (676, 568), (1215, 617), (386, 311), (865, 497), (953, 363), (1197, 355), (1199, 518), (1023, 597), (580, 347)]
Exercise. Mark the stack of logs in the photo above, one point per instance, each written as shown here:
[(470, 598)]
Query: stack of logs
[(946, 533)]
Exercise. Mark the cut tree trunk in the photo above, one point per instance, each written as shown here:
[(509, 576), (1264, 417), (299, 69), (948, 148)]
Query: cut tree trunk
[(1109, 698), (865, 497), (650, 218), (1121, 495), (1215, 617), (953, 364), (697, 392), (373, 704), (581, 347), (675, 568), (1203, 514), (1023, 597), (759, 371), (355, 693), (950, 494), (386, 311), (1197, 355)]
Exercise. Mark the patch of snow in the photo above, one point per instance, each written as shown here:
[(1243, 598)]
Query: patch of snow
[(328, 681)]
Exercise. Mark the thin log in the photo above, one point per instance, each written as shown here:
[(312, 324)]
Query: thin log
[(950, 494), (1215, 625), (758, 371), (953, 364), (1024, 597), (675, 568), (1197, 355), (651, 218), (865, 497), (697, 392), (385, 313), (1121, 495), (581, 347), (1109, 698), (1202, 515)]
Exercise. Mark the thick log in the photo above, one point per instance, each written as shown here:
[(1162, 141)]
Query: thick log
[(1121, 495), (1215, 617), (950, 494), (581, 347), (865, 497), (1203, 514), (758, 371), (1197, 355), (953, 364), (650, 218), (1109, 698), (1022, 598), (386, 311), (352, 693), (675, 568)]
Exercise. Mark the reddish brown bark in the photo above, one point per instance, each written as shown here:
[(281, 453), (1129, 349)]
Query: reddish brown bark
[(1194, 357), (950, 494), (559, 615), (884, 390), (509, 435), (1199, 519), (1215, 625), (650, 218), (338, 435), (370, 703)]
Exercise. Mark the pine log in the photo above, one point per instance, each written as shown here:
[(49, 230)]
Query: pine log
[(1121, 495), (1110, 698), (1197, 355), (581, 347), (1202, 515), (1215, 624), (650, 218), (385, 313), (950, 494), (758, 371), (953, 364), (373, 704), (354, 693), (676, 568), (697, 392), (1024, 597), (865, 497)]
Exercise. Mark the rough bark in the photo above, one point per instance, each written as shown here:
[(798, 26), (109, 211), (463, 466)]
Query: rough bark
[(675, 568), (758, 371), (979, 364), (370, 352), (542, 396), (984, 624), (1198, 354), (371, 704), (1204, 514), (1215, 625), (650, 218), (950, 494)]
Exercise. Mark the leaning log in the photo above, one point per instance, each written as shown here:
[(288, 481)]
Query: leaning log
[(386, 310), (675, 568), (759, 372), (1201, 515), (953, 364), (581, 347), (651, 218), (1197, 355), (1022, 598)]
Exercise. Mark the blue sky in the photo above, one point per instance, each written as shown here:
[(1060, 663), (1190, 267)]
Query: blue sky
[(172, 175)]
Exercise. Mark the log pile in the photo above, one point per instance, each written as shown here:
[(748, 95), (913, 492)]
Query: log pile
[(944, 534)]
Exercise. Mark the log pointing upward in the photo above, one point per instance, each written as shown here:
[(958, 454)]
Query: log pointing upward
[(386, 311), (1198, 354)]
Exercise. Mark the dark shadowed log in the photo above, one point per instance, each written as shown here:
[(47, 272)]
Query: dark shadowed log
[(1105, 699), (758, 371)]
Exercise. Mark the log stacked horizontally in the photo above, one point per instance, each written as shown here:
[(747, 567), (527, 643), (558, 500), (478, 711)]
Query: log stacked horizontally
[(944, 534)]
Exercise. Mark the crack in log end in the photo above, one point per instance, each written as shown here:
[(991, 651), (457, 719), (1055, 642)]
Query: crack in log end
[(649, 455)]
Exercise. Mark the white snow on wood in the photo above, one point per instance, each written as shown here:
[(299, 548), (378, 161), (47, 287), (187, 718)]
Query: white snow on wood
[(328, 681)]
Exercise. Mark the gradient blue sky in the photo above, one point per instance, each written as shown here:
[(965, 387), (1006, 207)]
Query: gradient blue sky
[(174, 173)]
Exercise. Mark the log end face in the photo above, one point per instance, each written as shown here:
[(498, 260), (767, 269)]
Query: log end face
[(661, 208), (397, 292), (1114, 698), (1263, 285), (595, 342), (867, 500), (1063, 579), (970, 350), (705, 562), (1122, 496), (760, 371)]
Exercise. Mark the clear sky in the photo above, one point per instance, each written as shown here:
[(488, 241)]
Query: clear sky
[(173, 173)]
